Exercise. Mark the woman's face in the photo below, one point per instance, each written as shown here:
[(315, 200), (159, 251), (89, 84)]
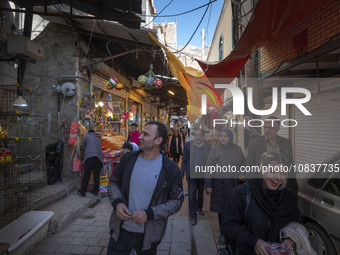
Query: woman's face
[(273, 177), (224, 138)]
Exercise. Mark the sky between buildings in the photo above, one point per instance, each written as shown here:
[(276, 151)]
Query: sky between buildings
[(187, 23)]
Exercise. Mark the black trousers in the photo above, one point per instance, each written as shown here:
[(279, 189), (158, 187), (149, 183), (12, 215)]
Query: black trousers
[(95, 165), (128, 241), (196, 190), (175, 157)]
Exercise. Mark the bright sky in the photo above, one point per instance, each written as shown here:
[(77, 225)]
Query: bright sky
[(187, 23)]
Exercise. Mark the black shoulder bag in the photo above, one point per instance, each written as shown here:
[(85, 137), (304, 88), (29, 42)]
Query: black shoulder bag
[(228, 250)]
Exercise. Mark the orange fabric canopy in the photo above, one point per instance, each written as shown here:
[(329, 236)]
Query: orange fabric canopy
[(269, 20)]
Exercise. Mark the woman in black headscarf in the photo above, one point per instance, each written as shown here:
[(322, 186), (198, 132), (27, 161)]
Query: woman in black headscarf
[(270, 209), (226, 153)]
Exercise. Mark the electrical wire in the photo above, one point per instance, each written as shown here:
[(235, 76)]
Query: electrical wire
[(155, 16), (206, 30), (182, 13), (195, 29)]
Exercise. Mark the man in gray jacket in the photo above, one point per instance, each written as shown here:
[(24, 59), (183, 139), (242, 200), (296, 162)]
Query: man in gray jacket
[(145, 189), (92, 153)]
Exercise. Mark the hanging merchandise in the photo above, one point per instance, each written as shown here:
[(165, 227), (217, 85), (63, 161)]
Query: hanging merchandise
[(111, 83), (108, 86), (104, 183), (158, 83), (77, 165), (119, 86), (142, 79), (2, 156), (5, 156), (149, 80), (3, 132), (73, 133)]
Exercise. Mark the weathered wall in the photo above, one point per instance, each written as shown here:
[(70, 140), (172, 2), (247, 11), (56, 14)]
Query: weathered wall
[(60, 59)]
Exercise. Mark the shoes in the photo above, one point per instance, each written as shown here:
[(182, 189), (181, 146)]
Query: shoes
[(95, 194), (221, 240), (80, 194), (193, 222), (200, 212)]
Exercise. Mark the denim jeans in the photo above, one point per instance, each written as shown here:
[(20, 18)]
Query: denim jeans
[(128, 241), (196, 189)]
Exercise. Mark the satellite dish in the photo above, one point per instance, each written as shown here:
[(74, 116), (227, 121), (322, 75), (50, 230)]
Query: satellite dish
[(68, 89)]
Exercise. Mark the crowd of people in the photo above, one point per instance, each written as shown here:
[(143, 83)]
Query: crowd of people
[(147, 187)]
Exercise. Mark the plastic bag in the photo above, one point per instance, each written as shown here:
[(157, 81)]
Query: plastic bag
[(77, 166)]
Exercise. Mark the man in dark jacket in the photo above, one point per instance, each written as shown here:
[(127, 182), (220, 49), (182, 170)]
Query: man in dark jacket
[(145, 189), (271, 142), (91, 148), (198, 157)]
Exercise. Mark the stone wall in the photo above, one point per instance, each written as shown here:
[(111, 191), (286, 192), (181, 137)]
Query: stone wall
[(60, 60)]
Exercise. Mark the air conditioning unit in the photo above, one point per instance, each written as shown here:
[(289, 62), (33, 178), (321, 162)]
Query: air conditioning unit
[(23, 47)]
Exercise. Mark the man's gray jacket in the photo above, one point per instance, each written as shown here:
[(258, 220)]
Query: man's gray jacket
[(166, 200)]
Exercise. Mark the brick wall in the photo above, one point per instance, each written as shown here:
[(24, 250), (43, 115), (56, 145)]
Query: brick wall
[(312, 32)]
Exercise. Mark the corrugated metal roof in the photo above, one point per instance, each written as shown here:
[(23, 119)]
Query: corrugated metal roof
[(122, 11)]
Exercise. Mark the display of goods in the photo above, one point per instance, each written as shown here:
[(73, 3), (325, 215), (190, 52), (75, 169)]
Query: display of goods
[(8, 156), (5, 156), (158, 83), (3, 132), (112, 142), (73, 133), (108, 86), (119, 86), (113, 82), (2, 157), (149, 82), (141, 79), (277, 249)]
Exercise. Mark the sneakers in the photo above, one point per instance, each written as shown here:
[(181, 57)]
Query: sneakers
[(193, 222), (200, 212), (80, 194)]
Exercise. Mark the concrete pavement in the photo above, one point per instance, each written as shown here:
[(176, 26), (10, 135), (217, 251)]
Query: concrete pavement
[(80, 226)]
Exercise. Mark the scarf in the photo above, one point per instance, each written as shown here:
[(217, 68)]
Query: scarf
[(279, 205)]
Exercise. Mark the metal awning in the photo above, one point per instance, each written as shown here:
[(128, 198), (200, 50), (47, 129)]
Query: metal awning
[(122, 11)]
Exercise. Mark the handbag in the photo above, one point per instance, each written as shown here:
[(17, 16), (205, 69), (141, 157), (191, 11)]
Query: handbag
[(228, 250)]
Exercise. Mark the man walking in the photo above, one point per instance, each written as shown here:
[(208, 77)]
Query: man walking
[(145, 189), (93, 157), (198, 157), (271, 142)]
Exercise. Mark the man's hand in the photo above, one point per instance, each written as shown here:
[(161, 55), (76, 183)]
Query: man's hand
[(260, 247), (139, 216), (123, 212), (208, 190)]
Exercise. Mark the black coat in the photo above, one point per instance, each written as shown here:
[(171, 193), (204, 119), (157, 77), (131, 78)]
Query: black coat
[(245, 231), (172, 148), (223, 156)]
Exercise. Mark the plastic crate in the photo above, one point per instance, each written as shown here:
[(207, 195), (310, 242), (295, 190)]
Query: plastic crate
[(25, 232)]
